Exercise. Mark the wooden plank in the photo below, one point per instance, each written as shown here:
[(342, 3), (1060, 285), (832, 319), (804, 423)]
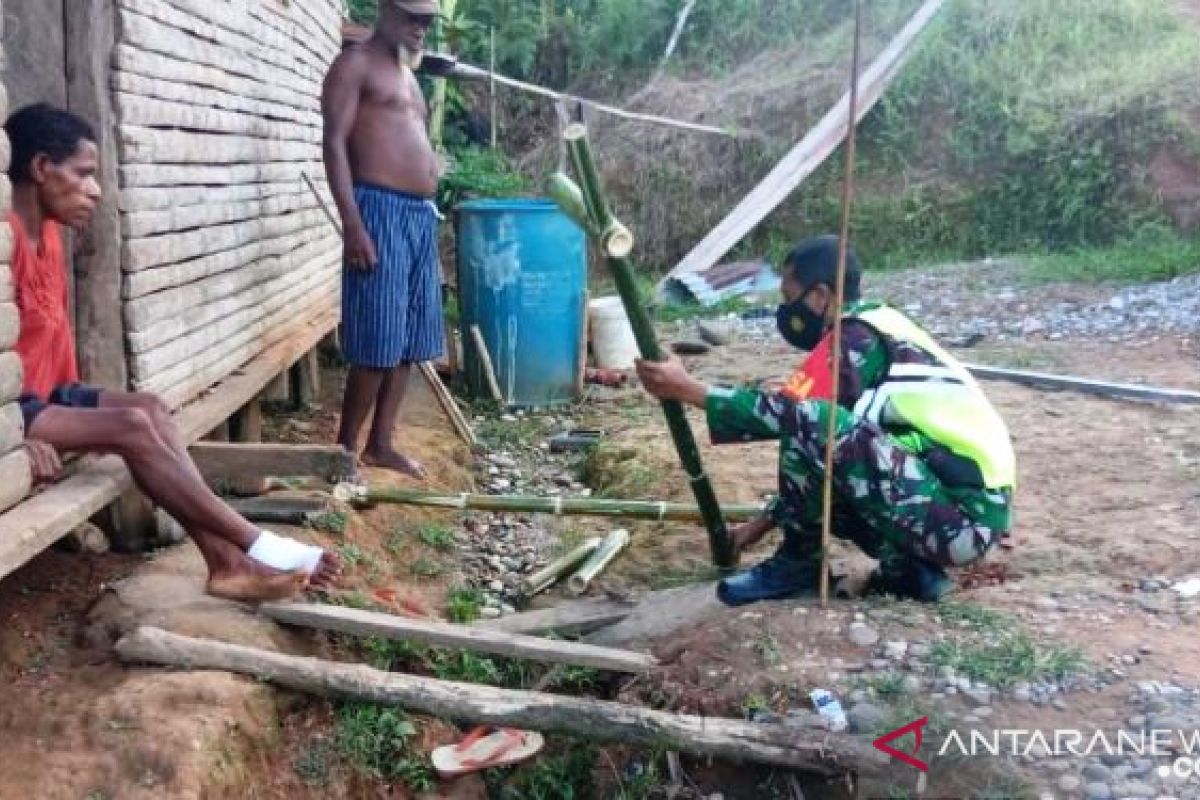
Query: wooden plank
[(152, 146), (11, 376), (284, 33), (90, 34), (146, 33), (1120, 391), (182, 218), (236, 461), (206, 276), (10, 325), (12, 427), (446, 400), (172, 248), (732, 740), (153, 112), (206, 175), (148, 200), (809, 154), (237, 388), (573, 618), (152, 75), (183, 351), (15, 479), (142, 312), (214, 376), (208, 366), (240, 35), (198, 317), (460, 637)]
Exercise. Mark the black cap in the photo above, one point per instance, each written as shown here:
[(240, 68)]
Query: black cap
[(815, 261)]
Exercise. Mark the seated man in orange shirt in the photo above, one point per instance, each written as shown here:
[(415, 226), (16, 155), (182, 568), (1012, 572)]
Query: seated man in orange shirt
[(53, 173)]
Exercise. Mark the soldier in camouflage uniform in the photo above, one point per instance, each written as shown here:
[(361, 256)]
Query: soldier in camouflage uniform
[(901, 495)]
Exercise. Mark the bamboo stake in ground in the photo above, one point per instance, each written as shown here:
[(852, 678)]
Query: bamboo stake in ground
[(839, 294), (820, 752), (617, 244), (485, 363)]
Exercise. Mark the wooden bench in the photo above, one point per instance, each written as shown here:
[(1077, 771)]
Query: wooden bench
[(41, 520)]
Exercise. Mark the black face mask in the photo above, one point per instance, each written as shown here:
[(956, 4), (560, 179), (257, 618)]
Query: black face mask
[(799, 325)]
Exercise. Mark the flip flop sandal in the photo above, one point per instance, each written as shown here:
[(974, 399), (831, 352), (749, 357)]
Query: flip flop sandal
[(482, 750)]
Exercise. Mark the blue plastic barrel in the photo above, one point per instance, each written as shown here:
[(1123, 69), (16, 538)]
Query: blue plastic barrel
[(522, 277)]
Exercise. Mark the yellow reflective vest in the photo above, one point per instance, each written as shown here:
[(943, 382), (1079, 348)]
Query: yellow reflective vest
[(942, 401)]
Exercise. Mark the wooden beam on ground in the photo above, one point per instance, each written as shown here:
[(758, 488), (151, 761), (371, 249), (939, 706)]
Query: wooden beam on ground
[(819, 752), (222, 461), (573, 618), (446, 401), (809, 154), (461, 637), (1120, 391), (280, 510)]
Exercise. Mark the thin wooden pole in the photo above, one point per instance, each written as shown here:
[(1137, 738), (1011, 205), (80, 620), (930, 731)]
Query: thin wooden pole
[(616, 243), (492, 86), (839, 294)]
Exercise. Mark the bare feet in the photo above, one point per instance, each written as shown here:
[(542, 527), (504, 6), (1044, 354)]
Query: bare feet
[(250, 588), (388, 458), (328, 571)]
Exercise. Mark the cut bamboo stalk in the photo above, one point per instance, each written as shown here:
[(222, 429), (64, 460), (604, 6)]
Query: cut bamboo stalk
[(559, 506), (545, 577), (819, 752), (446, 401), (608, 550), (462, 637), (485, 362), (584, 338), (569, 197), (616, 240), (580, 153)]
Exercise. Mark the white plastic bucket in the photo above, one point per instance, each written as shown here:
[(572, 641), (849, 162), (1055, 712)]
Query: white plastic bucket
[(613, 342)]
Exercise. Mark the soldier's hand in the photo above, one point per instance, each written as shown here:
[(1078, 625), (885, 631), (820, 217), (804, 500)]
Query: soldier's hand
[(360, 249), (44, 461), (668, 380)]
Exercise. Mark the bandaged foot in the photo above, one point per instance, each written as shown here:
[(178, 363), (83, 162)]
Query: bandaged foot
[(285, 555)]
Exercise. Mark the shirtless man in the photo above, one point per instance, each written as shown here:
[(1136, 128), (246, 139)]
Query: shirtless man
[(53, 173), (383, 173)]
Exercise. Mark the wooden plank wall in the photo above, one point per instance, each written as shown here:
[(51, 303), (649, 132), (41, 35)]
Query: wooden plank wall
[(225, 250), (14, 465)]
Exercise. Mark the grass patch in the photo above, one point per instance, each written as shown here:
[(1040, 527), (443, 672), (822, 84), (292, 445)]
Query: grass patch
[(1159, 257), (885, 686), (1008, 658), (501, 434), (969, 615), (352, 555), (463, 604), (330, 522), (426, 568), (374, 740), (435, 535), (616, 471)]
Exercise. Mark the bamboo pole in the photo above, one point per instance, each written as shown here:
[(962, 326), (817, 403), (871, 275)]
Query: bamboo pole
[(492, 88), (839, 294), (820, 752), (580, 153), (558, 506), (603, 555), (437, 115), (545, 577), (485, 363)]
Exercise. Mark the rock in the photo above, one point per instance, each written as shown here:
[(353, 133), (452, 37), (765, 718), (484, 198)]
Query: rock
[(1022, 692), (716, 333), (1097, 791), (1134, 789), (865, 717), (87, 538), (911, 684), (690, 348), (1069, 784), (1141, 767), (963, 684), (1096, 773), (895, 651), (946, 673), (490, 612), (1059, 704), (862, 635), (1111, 760), (857, 696), (498, 586), (919, 650), (879, 664), (978, 697), (1137, 722)]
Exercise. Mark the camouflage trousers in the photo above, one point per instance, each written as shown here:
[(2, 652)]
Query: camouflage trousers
[(886, 499)]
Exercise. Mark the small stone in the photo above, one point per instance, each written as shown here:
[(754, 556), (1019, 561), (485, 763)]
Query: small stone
[(1059, 704), (1134, 789), (879, 664), (963, 684), (865, 717), (489, 612), (507, 609), (1137, 722), (919, 650), (946, 673), (1096, 773), (895, 650), (1069, 784), (1111, 760), (1022, 693), (911, 684), (862, 635), (983, 711), (1097, 791), (496, 586)]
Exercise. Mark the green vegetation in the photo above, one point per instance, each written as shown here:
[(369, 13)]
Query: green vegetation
[(1010, 657), (463, 604), (1155, 256), (375, 740), (330, 522)]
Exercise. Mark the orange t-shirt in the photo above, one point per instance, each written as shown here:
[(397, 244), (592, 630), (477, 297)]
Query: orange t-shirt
[(46, 344)]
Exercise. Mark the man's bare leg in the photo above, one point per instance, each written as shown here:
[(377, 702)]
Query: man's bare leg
[(222, 536), (380, 451), (168, 431), (362, 389)]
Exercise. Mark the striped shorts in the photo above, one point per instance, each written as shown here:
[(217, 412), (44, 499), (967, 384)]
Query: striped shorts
[(392, 315)]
